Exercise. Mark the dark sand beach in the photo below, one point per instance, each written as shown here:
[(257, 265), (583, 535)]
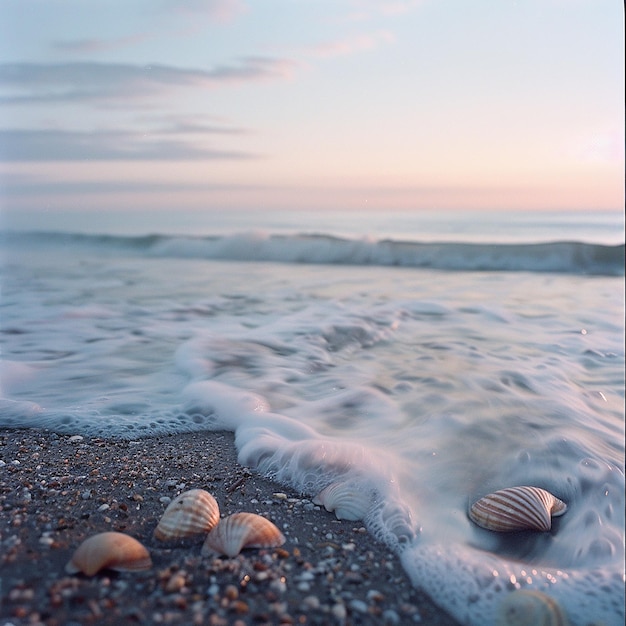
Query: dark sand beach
[(55, 491)]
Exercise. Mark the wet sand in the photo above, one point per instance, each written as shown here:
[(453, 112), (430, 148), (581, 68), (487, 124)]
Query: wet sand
[(55, 491)]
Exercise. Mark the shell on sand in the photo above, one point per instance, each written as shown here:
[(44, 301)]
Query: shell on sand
[(345, 499), (525, 607), (239, 531), (109, 550), (517, 508), (191, 513)]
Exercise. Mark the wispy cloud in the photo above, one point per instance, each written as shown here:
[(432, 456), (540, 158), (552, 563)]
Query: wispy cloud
[(43, 83), (351, 45), (94, 45), (218, 10), (64, 145), (370, 9)]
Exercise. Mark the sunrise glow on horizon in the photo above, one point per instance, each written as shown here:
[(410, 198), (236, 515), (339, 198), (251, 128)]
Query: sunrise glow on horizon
[(350, 104)]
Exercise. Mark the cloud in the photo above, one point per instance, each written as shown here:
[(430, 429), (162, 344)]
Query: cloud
[(351, 45), (218, 10), (43, 83), (34, 186), (371, 9), (63, 145), (92, 46)]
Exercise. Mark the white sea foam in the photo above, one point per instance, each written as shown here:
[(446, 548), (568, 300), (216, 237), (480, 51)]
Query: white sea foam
[(409, 392)]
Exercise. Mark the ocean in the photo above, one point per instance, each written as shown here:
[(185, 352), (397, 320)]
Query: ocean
[(406, 363)]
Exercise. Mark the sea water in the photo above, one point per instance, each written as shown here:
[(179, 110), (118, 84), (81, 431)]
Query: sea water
[(409, 366)]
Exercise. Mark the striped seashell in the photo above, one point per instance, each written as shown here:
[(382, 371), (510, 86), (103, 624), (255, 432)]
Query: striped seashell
[(191, 513), (239, 531), (517, 508), (345, 499), (109, 550), (526, 607)]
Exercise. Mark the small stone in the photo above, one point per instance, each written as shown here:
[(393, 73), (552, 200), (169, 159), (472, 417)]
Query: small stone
[(358, 605), (311, 603), (75, 438), (339, 611), (175, 583), (373, 595), (231, 592), (390, 617), (240, 607)]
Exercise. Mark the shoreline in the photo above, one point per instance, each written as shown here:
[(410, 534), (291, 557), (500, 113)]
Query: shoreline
[(57, 490)]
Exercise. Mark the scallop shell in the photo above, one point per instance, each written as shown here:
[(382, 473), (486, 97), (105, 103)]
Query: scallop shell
[(517, 508), (526, 607), (345, 499), (109, 550), (191, 513), (239, 531)]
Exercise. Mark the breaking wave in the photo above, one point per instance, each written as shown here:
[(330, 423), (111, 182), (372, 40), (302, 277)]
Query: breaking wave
[(569, 257)]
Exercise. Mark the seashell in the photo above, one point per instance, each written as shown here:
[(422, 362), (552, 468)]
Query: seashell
[(526, 607), (191, 513), (109, 550), (239, 531), (345, 499), (517, 508)]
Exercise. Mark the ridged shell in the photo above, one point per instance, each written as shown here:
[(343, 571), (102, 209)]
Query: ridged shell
[(191, 513), (517, 508), (526, 607), (109, 550), (239, 531), (345, 499)]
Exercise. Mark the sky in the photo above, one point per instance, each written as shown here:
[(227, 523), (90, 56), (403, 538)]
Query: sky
[(311, 104)]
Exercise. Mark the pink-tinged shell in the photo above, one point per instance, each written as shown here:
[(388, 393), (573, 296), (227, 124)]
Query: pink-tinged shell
[(239, 531), (191, 513), (109, 550), (517, 508), (345, 499)]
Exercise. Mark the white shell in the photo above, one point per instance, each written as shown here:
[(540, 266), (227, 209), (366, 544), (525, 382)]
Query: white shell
[(526, 607), (109, 550), (191, 513), (239, 531), (517, 508), (345, 499)]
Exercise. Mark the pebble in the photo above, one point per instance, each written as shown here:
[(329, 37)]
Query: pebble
[(311, 603), (358, 605), (339, 611), (390, 617)]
